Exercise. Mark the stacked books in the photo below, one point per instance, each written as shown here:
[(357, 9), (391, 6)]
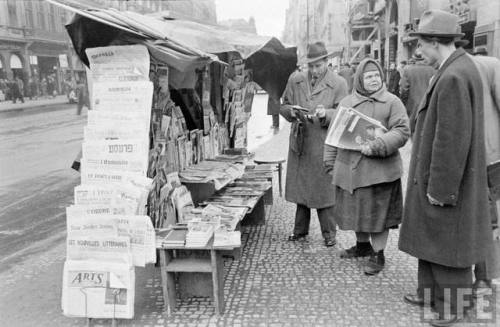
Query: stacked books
[(227, 239), (199, 234), (176, 237)]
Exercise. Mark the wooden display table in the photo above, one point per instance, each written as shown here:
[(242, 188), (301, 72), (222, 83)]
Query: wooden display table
[(171, 263)]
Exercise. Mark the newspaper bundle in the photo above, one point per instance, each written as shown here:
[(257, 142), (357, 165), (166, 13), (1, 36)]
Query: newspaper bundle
[(351, 129), (108, 231)]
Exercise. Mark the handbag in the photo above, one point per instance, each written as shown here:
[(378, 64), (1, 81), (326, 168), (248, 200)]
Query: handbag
[(297, 137)]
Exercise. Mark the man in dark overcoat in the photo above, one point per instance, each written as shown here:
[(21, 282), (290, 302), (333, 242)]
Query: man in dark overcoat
[(446, 222), (318, 90), (414, 82)]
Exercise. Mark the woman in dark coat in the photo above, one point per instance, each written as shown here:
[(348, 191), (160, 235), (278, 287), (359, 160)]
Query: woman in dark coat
[(368, 195)]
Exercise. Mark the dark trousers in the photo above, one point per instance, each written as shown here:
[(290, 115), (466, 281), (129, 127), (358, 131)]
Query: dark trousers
[(445, 286), (276, 120), (326, 221)]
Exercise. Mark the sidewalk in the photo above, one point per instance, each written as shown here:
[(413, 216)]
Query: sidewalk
[(8, 106), (274, 283)]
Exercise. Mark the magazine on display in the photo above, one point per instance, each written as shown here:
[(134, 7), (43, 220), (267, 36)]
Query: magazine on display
[(352, 129)]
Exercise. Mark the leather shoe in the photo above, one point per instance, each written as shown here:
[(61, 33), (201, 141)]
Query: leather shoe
[(414, 299), (445, 322), (296, 237), (330, 242)]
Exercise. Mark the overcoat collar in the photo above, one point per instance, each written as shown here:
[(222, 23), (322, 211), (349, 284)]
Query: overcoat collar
[(327, 81), (380, 96), (454, 56)]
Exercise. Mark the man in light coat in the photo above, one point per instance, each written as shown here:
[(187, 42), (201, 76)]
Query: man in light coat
[(489, 70), (318, 90), (446, 222)]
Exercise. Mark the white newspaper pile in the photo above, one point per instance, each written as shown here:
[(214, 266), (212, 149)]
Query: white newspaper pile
[(108, 231), (351, 129)]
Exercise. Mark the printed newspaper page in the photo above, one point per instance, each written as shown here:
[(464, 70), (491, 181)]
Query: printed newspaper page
[(351, 129)]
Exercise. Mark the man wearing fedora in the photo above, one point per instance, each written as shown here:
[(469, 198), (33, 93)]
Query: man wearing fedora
[(318, 90), (414, 82), (446, 222)]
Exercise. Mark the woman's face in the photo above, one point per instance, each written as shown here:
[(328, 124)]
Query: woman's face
[(372, 81)]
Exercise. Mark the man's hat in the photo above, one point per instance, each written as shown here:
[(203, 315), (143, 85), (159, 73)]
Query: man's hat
[(480, 51), (438, 23), (315, 52), (417, 56)]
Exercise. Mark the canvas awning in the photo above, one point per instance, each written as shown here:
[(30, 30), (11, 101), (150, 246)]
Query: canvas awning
[(182, 45)]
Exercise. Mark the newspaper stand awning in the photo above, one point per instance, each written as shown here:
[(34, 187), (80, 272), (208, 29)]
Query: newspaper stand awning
[(182, 45)]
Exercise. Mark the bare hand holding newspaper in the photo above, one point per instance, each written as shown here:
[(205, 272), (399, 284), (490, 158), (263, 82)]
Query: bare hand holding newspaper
[(351, 130)]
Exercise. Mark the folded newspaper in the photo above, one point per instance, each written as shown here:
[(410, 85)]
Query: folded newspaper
[(351, 129)]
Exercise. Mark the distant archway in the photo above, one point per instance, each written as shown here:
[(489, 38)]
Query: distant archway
[(15, 62)]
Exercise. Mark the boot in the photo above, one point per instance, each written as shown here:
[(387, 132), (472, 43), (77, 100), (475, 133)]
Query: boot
[(361, 249), (375, 264)]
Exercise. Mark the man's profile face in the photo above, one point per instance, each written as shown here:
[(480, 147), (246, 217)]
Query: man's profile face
[(317, 68), (428, 50)]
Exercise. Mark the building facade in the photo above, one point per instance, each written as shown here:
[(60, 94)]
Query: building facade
[(241, 25), (308, 21), (34, 42), (479, 20)]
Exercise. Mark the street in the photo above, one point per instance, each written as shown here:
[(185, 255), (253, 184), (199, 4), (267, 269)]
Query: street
[(36, 183)]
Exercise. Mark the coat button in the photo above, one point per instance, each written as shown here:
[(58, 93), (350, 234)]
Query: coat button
[(414, 180), (452, 197)]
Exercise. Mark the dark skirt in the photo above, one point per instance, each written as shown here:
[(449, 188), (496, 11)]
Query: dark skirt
[(370, 209)]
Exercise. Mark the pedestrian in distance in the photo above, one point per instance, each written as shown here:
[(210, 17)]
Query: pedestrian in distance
[(16, 90), (82, 96), (317, 91), (273, 109), (368, 193), (446, 223), (393, 80)]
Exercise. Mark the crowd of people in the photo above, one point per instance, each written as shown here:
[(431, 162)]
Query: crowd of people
[(447, 103), (18, 88)]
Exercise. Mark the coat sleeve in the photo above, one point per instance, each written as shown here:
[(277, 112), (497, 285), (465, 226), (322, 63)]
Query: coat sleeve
[(398, 134), (341, 93), (286, 107), (452, 139)]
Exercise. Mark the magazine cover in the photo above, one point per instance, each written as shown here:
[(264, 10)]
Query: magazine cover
[(351, 129)]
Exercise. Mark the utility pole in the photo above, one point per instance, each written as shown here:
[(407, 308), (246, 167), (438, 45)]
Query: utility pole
[(307, 22)]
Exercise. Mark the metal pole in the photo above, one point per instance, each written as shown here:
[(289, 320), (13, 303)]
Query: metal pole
[(307, 22)]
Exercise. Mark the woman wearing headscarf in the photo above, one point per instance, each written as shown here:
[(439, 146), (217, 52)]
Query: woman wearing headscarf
[(368, 195)]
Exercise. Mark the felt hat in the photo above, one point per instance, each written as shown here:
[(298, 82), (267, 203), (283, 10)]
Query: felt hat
[(438, 23), (316, 51)]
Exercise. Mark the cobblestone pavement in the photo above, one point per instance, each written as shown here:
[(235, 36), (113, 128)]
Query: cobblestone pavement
[(274, 283)]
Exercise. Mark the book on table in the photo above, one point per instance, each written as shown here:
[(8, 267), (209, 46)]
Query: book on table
[(352, 129)]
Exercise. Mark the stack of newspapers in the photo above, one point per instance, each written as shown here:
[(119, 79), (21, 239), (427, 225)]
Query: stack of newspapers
[(352, 129), (108, 231)]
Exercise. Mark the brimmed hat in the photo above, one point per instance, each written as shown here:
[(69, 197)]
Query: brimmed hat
[(438, 23), (315, 52), (481, 51), (417, 57)]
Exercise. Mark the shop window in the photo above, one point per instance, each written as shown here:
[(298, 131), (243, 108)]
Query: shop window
[(15, 62), (481, 40)]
